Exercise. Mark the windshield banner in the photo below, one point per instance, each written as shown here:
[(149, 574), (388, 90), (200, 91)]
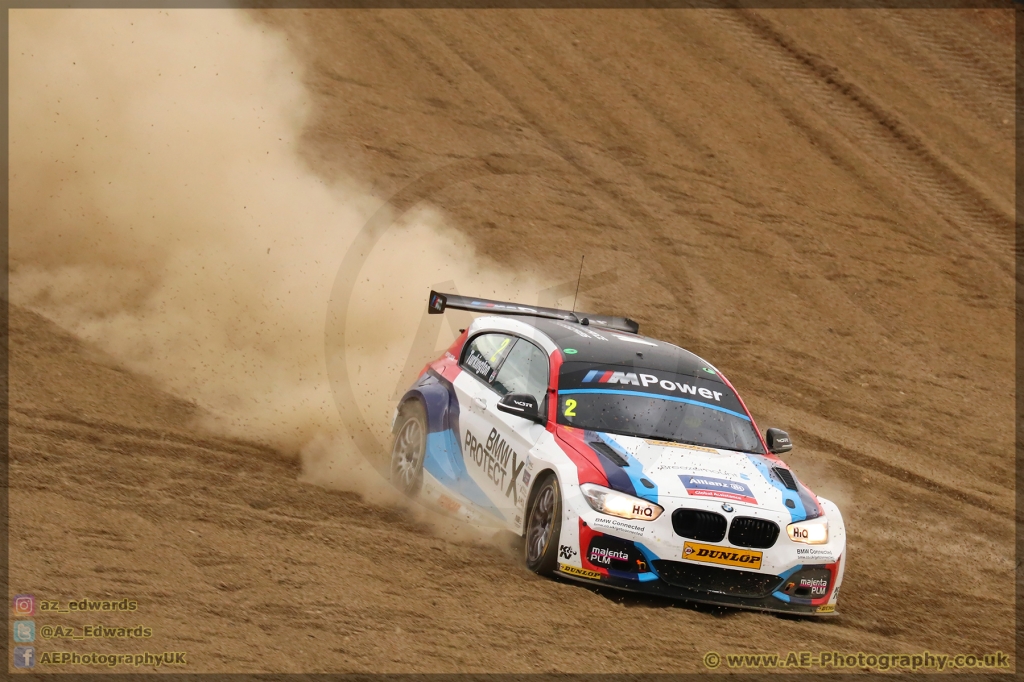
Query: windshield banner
[(582, 377)]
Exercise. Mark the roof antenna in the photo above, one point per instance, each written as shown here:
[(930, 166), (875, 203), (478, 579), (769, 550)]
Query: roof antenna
[(578, 285)]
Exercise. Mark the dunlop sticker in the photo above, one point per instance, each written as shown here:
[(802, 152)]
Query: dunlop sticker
[(725, 556), (581, 572)]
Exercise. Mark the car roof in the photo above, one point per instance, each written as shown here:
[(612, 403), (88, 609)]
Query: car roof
[(602, 346)]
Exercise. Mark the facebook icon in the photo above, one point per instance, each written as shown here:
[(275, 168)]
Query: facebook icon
[(24, 656)]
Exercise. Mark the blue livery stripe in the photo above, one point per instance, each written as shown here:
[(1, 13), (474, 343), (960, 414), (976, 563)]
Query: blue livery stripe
[(798, 512), (778, 594), (634, 470), (650, 557), (450, 470)]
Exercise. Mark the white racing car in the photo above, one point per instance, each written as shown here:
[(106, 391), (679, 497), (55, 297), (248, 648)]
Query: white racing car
[(621, 459)]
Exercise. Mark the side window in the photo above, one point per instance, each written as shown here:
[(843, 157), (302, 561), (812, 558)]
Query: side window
[(525, 371), (485, 354)]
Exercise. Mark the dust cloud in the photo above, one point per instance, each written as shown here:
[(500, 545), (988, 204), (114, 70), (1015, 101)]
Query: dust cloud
[(160, 208)]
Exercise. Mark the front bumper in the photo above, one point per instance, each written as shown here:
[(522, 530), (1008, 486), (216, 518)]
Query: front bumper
[(649, 558), (659, 587)]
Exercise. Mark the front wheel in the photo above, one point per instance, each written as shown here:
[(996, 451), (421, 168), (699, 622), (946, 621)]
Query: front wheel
[(544, 526), (409, 449)]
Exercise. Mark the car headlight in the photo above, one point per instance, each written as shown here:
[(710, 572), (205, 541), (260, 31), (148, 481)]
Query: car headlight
[(619, 504), (813, 532)]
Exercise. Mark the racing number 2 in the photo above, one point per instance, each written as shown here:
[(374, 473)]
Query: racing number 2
[(570, 407), (498, 352)]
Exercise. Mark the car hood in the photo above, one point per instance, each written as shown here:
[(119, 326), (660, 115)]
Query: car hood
[(688, 475)]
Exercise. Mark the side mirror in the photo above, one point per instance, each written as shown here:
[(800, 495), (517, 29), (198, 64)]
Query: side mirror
[(521, 405), (778, 441)]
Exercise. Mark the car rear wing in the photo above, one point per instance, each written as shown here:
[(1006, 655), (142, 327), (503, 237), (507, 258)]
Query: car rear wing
[(437, 303)]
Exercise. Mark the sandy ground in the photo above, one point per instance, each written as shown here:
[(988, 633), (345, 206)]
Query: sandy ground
[(820, 202)]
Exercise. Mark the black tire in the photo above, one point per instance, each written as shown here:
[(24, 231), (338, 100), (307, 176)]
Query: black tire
[(409, 449), (543, 526)]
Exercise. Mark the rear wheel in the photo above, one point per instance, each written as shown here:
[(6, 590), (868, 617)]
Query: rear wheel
[(544, 526), (409, 449)]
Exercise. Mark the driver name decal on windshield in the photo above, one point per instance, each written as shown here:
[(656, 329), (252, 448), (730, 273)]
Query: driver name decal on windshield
[(478, 364), (705, 486)]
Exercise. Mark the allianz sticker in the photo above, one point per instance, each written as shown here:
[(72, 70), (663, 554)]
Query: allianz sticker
[(699, 485)]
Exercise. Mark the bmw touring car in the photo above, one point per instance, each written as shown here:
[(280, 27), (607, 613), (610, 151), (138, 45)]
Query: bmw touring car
[(620, 459)]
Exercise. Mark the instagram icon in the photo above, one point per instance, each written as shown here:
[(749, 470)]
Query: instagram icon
[(24, 605)]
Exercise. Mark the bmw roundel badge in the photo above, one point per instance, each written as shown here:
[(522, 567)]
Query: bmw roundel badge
[(726, 507)]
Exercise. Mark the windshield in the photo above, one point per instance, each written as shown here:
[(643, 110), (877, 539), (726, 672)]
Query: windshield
[(654, 404)]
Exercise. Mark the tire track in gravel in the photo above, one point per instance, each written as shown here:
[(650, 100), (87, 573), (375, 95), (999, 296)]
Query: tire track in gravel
[(53, 422), (825, 292), (941, 186), (654, 205), (191, 465), (951, 70), (623, 203), (880, 466), (995, 77)]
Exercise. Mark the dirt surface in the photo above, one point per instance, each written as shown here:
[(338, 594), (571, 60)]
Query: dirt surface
[(819, 202)]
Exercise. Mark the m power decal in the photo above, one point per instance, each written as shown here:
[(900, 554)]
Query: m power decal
[(725, 556), (497, 460), (645, 380)]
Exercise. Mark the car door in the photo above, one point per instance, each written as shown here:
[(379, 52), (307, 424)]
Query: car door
[(482, 475), (511, 438)]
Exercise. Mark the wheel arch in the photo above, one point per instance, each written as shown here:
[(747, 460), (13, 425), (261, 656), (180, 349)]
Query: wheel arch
[(435, 396), (531, 492)]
